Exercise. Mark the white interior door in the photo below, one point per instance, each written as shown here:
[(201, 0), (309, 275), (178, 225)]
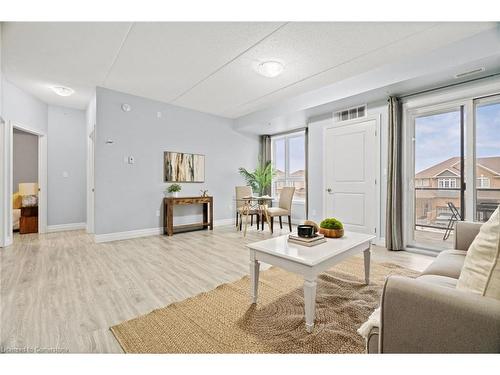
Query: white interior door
[(350, 175)]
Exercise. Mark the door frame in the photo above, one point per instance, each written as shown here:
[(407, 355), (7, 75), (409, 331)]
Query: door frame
[(380, 240), (6, 157), (409, 117), (90, 228)]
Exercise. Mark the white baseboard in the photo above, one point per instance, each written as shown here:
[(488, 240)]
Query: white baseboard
[(65, 227), (116, 236)]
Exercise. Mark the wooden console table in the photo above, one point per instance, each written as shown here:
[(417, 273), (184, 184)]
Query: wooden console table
[(168, 216)]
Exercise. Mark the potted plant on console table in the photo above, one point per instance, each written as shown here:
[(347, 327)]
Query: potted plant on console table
[(174, 189), (332, 228)]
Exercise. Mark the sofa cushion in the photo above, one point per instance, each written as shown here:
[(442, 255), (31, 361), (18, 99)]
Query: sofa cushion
[(448, 282), (481, 270), (448, 263)]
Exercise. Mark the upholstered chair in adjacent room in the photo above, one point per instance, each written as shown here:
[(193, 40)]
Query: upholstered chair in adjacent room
[(284, 208), (242, 192)]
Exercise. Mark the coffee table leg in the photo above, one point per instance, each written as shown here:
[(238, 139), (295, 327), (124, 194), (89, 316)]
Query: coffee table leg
[(254, 279), (310, 303), (367, 253)]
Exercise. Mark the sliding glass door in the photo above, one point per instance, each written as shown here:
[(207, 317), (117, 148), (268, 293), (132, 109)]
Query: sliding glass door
[(452, 169), (487, 161), (438, 190)]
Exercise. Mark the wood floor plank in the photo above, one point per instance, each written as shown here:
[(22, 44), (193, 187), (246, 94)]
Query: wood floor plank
[(63, 291)]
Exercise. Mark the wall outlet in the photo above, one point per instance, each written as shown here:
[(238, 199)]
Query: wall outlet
[(65, 174), (158, 114), (157, 213), (131, 160)]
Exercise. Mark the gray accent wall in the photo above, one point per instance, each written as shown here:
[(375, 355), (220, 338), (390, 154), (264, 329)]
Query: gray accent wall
[(24, 159), (67, 152), (129, 196)]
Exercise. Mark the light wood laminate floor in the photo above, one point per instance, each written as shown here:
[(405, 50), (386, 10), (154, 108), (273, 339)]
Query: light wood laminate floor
[(63, 291)]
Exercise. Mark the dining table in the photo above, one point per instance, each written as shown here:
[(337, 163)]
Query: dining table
[(257, 203)]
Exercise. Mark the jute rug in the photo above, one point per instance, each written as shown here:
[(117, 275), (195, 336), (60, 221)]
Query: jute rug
[(224, 321)]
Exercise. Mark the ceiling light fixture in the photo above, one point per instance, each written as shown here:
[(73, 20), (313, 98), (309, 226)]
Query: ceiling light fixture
[(469, 73), (270, 69), (63, 91)]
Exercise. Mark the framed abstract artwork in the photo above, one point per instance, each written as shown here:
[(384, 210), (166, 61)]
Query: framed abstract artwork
[(182, 167)]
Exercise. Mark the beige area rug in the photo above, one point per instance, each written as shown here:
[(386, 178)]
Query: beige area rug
[(224, 321)]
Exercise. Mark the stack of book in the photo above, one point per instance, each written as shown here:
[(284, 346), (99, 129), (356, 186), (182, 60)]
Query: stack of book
[(312, 241)]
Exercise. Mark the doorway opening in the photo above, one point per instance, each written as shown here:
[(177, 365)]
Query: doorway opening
[(33, 194), (24, 182)]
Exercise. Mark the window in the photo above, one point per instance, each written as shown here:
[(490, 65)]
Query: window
[(289, 162), (483, 182), (445, 183)]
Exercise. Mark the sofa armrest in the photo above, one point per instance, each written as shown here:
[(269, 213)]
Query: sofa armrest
[(465, 232), (421, 317)]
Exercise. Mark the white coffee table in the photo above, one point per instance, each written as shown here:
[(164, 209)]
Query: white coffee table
[(307, 261)]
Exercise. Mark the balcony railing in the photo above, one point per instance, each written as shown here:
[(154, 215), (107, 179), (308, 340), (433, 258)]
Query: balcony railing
[(431, 205)]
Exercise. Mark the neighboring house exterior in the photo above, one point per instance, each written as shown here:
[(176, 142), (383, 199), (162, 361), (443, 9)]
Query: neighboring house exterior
[(435, 188), (296, 179)]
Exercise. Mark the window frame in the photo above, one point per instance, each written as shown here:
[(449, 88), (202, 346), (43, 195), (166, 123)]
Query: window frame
[(480, 182), (287, 178), (468, 96), (447, 183)]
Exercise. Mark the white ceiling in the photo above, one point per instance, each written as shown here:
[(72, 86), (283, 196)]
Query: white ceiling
[(210, 67)]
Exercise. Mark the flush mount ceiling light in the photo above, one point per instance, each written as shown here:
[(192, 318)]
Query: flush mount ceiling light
[(270, 69), (63, 91)]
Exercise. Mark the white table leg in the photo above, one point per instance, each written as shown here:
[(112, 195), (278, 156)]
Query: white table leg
[(254, 279), (366, 254), (310, 303)]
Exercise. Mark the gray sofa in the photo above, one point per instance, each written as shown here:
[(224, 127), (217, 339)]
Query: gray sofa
[(429, 315)]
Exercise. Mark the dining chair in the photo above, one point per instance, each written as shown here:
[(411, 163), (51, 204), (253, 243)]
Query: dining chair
[(284, 207), (242, 192)]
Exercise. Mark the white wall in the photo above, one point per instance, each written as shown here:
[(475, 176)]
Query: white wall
[(127, 197), (24, 159), (316, 164), (24, 109), (66, 166)]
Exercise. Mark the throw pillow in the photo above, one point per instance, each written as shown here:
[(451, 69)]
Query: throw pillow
[(481, 271)]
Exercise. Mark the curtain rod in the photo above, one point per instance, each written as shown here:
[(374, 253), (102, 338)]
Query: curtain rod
[(287, 132), (447, 86)]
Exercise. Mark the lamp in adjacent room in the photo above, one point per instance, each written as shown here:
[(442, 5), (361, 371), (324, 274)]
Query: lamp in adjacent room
[(29, 192)]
